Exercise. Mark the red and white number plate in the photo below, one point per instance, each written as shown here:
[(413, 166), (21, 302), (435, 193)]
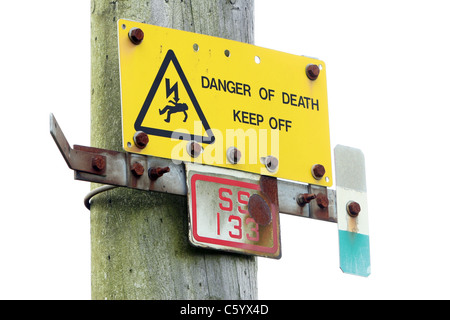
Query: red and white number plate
[(218, 212)]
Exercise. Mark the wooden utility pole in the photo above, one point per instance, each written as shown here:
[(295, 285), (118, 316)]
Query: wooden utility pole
[(139, 242)]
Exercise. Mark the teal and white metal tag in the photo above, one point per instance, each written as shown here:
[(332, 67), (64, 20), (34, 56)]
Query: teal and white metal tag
[(351, 197)]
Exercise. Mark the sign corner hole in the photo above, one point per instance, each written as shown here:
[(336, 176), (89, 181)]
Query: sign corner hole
[(195, 47)]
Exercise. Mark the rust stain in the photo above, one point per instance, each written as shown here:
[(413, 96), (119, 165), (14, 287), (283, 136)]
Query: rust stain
[(269, 187), (352, 224)]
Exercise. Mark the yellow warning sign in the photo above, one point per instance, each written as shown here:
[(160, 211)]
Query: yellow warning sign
[(245, 107)]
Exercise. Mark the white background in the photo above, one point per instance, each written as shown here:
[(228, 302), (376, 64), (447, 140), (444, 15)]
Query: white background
[(387, 74)]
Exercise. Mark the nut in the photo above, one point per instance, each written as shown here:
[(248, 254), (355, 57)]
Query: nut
[(318, 171), (137, 169), (233, 155), (312, 71), (353, 209), (140, 139), (98, 163), (136, 35)]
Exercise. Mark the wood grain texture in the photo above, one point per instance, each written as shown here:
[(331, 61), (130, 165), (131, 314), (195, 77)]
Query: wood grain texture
[(139, 243)]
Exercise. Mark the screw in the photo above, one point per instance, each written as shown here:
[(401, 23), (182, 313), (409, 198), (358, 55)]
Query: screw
[(353, 209), (156, 173), (194, 149), (271, 163), (140, 139), (233, 155), (259, 210), (98, 163), (318, 171), (136, 35), (305, 198), (312, 71), (137, 169), (322, 200)]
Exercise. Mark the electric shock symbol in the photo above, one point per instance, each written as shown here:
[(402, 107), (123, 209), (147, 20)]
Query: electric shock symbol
[(177, 107), (173, 105)]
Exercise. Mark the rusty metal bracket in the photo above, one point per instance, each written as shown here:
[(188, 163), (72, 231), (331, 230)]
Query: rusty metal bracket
[(142, 172), (118, 168), (348, 203)]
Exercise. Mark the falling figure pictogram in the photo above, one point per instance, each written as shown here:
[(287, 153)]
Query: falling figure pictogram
[(177, 107)]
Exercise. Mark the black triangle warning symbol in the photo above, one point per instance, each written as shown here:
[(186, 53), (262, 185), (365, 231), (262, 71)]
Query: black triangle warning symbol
[(173, 105)]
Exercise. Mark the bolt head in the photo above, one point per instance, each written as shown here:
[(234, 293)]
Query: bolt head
[(353, 209), (312, 71), (322, 201), (318, 171), (137, 169), (271, 163), (194, 149), (140, 139), (233, 155), (136, 36)]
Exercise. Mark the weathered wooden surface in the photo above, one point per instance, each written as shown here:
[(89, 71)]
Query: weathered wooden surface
[(139, 245)]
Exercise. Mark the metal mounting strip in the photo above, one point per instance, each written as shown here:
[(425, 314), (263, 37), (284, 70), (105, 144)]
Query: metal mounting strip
[(164, 175), (353, 220)]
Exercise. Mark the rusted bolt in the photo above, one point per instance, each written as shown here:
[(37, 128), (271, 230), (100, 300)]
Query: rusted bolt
[(156, 173), (98, 163), (259, 210), (322, 200), (305, 198), (353, 209), (140, 139), (318, 171), (233, 155), (137, 169), (136, 35), (312, 71), (194, 149), (271, 163)]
